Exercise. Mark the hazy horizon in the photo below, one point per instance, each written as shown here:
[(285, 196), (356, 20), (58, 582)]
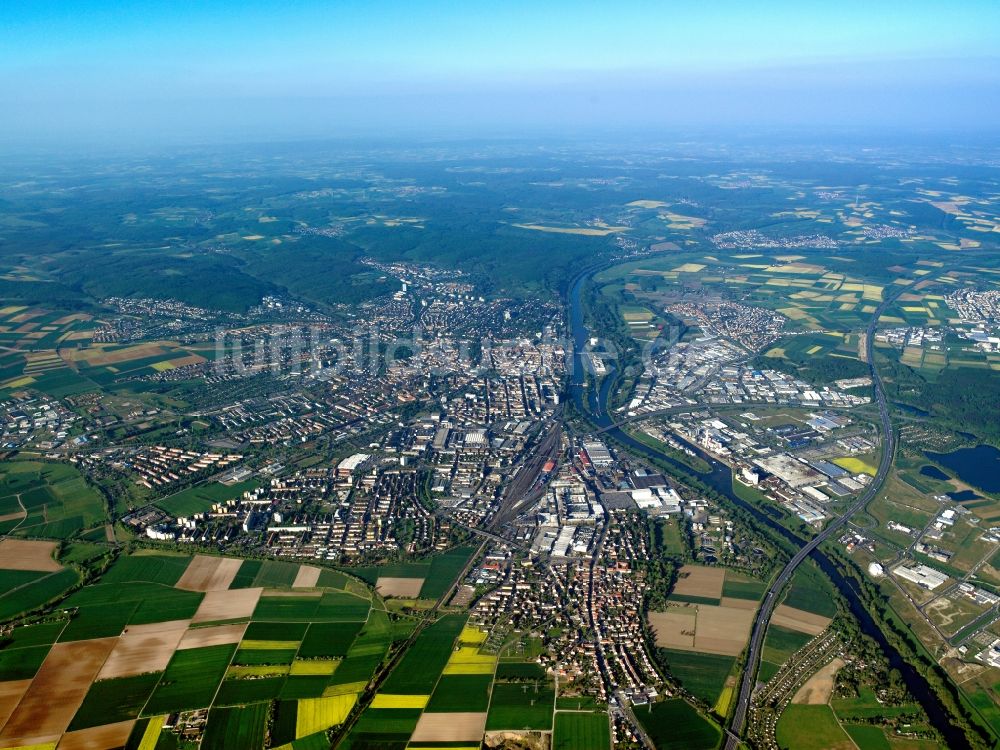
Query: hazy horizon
[(169, 73)]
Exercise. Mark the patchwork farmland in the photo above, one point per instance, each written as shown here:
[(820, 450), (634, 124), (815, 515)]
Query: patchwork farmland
[(163, 635), (165, 647)]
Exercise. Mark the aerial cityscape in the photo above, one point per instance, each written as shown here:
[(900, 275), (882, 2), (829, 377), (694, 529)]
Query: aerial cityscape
[(362, 393)]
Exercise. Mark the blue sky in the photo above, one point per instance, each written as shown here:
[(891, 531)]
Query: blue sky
[(302, 68)]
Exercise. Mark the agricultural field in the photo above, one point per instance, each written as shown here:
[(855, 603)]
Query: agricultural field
[(52, 500), (578, 729), (812, 722), (810, 592), (702, 675), (434, 575), (675, 725), (812, 728), (52, 352), (447, 692), (779, 645), (31, 577), (705, 626), (521, 704), (818, 292), (32, 337), (104, 364), (161, 632)]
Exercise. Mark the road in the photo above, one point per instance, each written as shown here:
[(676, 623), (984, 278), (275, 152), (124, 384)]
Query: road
[(749, 677)]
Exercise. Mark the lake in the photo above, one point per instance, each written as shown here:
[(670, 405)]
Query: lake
[(979, 466), (933, 472)]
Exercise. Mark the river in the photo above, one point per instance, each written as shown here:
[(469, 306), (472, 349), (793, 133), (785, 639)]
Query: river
[(719, 478)]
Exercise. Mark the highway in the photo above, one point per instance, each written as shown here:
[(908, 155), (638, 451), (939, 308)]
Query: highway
[(749, 677)]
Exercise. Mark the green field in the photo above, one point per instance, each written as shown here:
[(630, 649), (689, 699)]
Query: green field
[(575, 731), (190, 680), (165, 569), (235, 727), (119, 699), (260, 656), (383, 728), (201, 498), (276, 574), (675, 725), (811, 728), (517, 670), (461, 692), (15, 579), (418, 671), (283, 717), (311, 686), (811, 591), (740, 586), (779, 644), (245, 576), (328, 639), (521, 705), (106, 606), (331, 606), (275, 631), (56, 498), (98, 621), (43, 634), (702, 675), (21, 663), (34, 592), (241, 692), (438, 572), (867, 737), (867, 706)]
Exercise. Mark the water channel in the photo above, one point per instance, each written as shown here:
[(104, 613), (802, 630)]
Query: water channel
[(595, 403)]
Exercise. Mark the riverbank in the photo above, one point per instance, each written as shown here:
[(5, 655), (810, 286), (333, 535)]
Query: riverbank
[(719, 482)]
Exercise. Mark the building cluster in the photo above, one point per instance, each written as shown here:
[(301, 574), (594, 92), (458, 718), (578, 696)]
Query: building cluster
[(159, 466), (923, 576), (737, 384), (148, 318), (705, 371), (975, 307), (751, 238), (752, 326), (355, 512), (912, 336), (767, 457), (886, 232), (567, 518), (34, 420), (588, 613)]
